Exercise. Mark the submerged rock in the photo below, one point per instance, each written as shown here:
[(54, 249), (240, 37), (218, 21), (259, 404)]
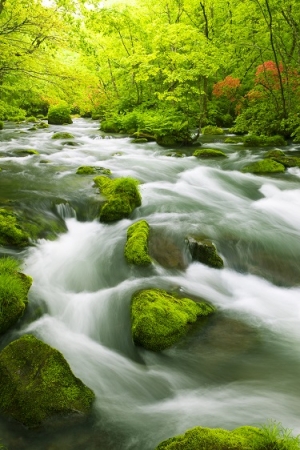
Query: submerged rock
[(37, 384), (166, 251), (14, 287), (122, 197), (25, 152), (62, 135), (204, 251), (198, 438), (159, 319), (136, 248), (209, 153), (267, 165)]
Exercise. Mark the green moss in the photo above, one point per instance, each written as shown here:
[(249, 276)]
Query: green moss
[(211, 129), (176, 154), (62, 135), (204, 251), (136, 248), (59, 115), (274, 153), (42, 125), (233, 140), (209, 153), (14, 287), (272, 437), (109, 126), (122, 197), (11, 231), (31, 119), (91, 170), (264, 166), (280, 157), (37, 383), (159, 319), (26, 152)]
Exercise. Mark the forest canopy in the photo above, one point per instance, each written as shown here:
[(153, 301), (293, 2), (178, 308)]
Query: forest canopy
[(166, 68)]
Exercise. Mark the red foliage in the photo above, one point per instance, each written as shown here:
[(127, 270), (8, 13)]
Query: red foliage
[(267, 75), (227, 88)]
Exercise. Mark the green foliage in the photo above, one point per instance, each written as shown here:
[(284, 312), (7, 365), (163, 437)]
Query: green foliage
[(14, 287), (37, 383), (264, 166), (211, 129), (136, 248), (209, 153), (270, 437), (1, 125), (122, 197), (59, 115), (158, 319)]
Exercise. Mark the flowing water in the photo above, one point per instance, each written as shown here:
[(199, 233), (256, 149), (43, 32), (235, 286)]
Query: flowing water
[(242, 368)]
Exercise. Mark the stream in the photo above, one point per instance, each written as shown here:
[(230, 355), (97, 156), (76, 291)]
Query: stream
[(242, 368)]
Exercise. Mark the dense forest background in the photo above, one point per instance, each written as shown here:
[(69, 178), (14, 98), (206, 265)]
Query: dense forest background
[(166, 68)]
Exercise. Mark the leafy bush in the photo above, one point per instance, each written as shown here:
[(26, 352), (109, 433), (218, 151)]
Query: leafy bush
[(59, 115)]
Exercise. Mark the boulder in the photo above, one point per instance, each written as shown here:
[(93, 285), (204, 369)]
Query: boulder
[(209, 153), (37, 384), (267, 165), (59, 115), (62, 135), (159, 319), (122, 197), (14, 287), (136, 248), (11, 230), (204, 251)]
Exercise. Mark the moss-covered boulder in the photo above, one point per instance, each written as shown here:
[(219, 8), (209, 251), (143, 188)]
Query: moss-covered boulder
[(213, 130), (25, 152), (204, 251), (92, 170), (62, 135), (159, 319), (14, 287), (59, 115), (280, 157), (252, 140), (233, 140), (136, 248), (139, 140), (37, 384), (267, 165), (109, 126), (11, 231), (122, 197), (199, 438), (209, 153)]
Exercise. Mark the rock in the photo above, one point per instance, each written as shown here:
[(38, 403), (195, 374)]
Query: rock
[(11, 230), (136, 248), (37, 384), (62, 135), (166, 252), (204, 251), (233, 140), (59, 115), (122, 197), (91, 170), (14, 287), (139, 140), (267, 165), (159, 319), (176, 154), (198, 438), (26, 152), (280, 157), (209, 153)]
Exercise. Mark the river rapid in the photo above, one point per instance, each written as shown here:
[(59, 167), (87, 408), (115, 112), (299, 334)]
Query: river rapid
[(242, 368)]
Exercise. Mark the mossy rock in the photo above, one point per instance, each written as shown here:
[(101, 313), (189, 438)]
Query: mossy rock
[(139, 141), (213, 130), (233, 140), (62, 135), (42, 125), (209, 153), (37, 384), (275, 153), (280, 157), (204, 251), (267, 165), (86, 170), (11, 231), (252, 140), (122, 197), (136, 248), (31, 119), (175, 154), (59, 115), (14, 287), (25, 152), (159, 319), (200, 438)]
